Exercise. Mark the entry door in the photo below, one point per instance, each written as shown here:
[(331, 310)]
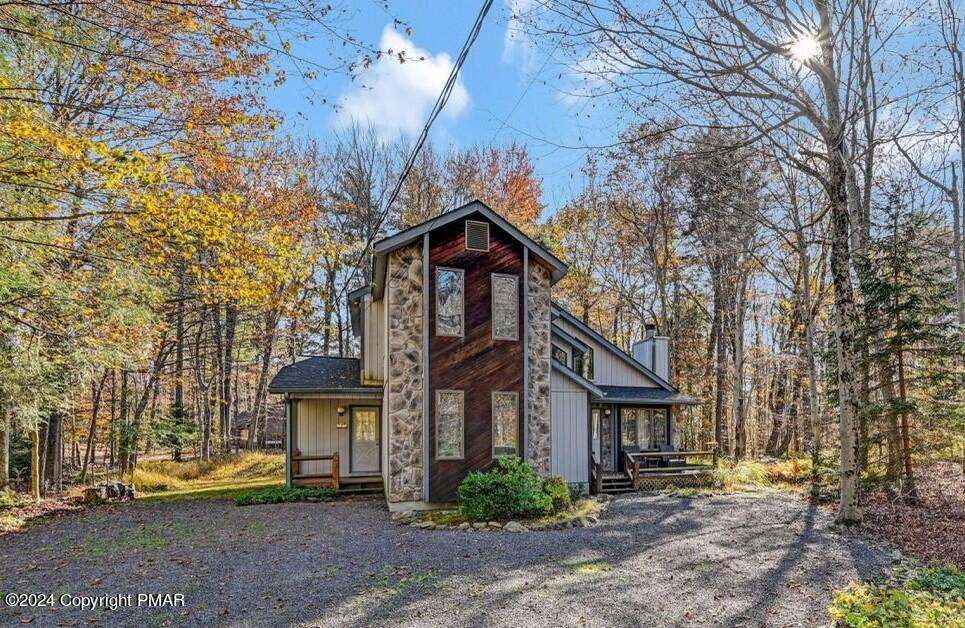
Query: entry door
[(364, 434)]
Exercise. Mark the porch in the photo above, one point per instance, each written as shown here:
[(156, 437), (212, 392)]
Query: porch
[(633, 448)]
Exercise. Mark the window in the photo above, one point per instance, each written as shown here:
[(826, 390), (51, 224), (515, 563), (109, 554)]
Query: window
[(583, 362), (559, 355), (449, 424), (629, 428), (450, 315), (659, 427), (505, 423), (505, 307), (477, 236)]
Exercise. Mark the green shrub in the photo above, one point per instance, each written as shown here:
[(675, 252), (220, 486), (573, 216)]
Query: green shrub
[(281, 494), (559, 493), (512, 489), (930, 598), (7, 500)]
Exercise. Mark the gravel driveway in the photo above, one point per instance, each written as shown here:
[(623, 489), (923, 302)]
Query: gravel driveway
[(750, 559)]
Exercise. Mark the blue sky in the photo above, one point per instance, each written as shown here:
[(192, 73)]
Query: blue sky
[(506, 78)]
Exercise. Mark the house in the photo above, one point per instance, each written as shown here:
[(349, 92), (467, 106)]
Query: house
[(274, 430), (465, 357)]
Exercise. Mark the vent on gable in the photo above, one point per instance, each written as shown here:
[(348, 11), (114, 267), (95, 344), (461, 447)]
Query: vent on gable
[(477, 236)]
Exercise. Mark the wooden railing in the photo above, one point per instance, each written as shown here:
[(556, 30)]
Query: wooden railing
[(633, 462), (597, 475), (298, 458)]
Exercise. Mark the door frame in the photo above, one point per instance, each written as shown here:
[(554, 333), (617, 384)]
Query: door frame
[(351, 432)]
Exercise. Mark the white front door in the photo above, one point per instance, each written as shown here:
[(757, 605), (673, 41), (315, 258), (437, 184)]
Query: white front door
[(364, 433)]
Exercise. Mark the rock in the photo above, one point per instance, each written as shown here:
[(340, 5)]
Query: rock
[(479, 525), (465, 525), (426, 525), (896, 555), (515, 526), (592, 519), (494, 525), (583, 522)]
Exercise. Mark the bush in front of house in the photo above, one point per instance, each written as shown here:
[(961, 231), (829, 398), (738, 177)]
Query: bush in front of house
[(559, 492), (931, 597), (281, 494), (511, 489)]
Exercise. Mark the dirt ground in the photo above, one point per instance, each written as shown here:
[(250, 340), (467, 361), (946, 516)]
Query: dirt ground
[(749, 559)]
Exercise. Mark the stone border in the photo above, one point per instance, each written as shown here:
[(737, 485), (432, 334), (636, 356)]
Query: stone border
[(412, 520)]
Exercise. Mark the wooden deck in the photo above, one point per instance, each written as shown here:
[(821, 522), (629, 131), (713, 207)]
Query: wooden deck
[(643, 472), (353, 484)]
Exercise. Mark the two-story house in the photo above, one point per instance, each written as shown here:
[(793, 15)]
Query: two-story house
[(465, 357)]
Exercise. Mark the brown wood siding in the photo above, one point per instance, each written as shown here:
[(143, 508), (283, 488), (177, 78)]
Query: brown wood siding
[(475, 363)]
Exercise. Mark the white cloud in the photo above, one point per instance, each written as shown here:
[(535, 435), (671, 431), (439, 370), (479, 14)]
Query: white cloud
[(396, 97), (517, 41)]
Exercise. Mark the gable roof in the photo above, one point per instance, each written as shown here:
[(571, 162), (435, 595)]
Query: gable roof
[(383, 247), (320, 374), (558, 310), (567, 338)]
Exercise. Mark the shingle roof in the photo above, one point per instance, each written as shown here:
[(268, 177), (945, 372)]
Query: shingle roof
[(645, 396), (319, 374)]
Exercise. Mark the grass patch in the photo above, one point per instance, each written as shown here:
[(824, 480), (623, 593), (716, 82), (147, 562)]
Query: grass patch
[(282, 494), (587, 567), (147, 537), (581, 508), (225, 477), (924, 597)]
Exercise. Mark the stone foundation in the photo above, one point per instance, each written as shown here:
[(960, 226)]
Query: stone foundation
[(538, 385), (404, 291)]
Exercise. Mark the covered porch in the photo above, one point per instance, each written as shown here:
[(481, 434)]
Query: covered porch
[(635, 445)]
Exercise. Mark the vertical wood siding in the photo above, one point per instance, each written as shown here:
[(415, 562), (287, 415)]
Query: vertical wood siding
[(316, 432), (608, 369), (570, 430), (474, 363), (373, 358)]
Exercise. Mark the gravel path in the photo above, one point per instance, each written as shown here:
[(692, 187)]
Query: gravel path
[(751, 559)]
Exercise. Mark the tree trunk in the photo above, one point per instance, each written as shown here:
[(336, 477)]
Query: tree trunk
[(95, 406), (35, 464), (259, 418), (5, 456), (719, 371), (231, 318)]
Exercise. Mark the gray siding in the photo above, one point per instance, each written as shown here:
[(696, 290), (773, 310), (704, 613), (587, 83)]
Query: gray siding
[(316, 431), (373, 345), (608, 369), (569, 430)]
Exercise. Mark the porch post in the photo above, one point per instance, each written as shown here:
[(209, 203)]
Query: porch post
[(288, 441)]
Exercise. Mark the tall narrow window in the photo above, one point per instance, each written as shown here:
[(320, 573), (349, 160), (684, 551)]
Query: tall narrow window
[(450, 314), (505, 307), (449, 424), (505, 423), (558, 354)]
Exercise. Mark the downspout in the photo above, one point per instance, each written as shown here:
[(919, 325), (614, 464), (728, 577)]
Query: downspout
[(526, 355), (425, 367)]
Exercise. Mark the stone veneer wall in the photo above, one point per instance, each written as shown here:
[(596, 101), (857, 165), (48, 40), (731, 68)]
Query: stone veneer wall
[(538, 385), (405, 376)]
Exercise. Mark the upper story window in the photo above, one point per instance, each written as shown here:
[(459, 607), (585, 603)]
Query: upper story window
[(450, 312), (505, 307), (583, 362), (477, 236), (559, 355)]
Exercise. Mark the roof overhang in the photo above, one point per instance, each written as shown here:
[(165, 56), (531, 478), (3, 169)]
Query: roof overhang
[(576, 378), (382, 248), (568, 339), (680, 400), (559, 312), (355, 308), (344, 392)]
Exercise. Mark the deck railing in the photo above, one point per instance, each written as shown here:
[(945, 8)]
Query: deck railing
[(597, 475), (643, 465), (298, 458)]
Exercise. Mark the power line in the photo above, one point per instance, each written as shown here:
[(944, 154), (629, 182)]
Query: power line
[(436, 110)]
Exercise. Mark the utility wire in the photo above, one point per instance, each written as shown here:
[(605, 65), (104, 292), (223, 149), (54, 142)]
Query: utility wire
[(436, 110)]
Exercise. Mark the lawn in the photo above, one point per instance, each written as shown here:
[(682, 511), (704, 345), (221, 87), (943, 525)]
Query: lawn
[(219, 478)]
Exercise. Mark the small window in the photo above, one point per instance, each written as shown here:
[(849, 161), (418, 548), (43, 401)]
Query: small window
[(505, 307), (450, 313), (559, 355), (477, 236), (505, 423), (450, 418), (583, 362)]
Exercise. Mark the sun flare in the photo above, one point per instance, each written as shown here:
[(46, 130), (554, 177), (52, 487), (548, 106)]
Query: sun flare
[(805, 48)]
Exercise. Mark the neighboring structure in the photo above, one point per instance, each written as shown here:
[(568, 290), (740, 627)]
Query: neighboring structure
[(274, 430), (464, 357)]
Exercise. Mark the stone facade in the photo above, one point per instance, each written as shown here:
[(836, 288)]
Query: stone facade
[(405, 392), (538, 353)]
